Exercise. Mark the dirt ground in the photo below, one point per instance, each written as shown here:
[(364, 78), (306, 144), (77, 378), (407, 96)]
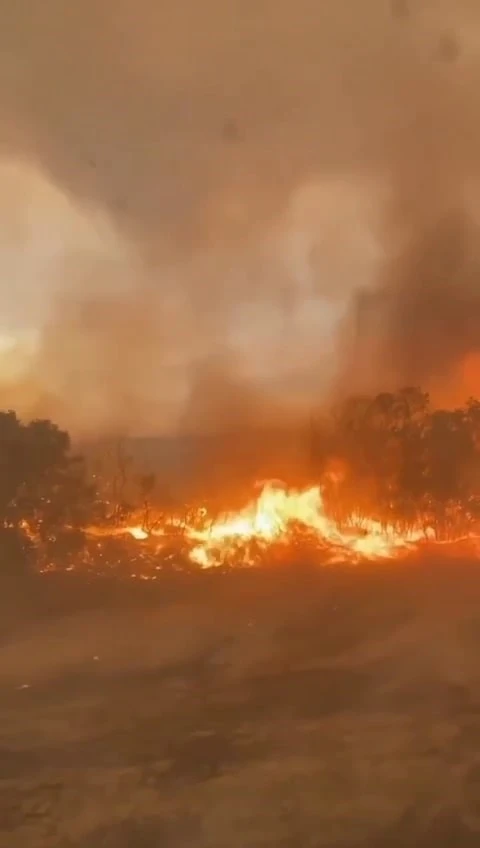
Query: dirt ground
[(265, 709)]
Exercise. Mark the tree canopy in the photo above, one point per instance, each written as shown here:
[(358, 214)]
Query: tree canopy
[(396, 458), (43, 487)]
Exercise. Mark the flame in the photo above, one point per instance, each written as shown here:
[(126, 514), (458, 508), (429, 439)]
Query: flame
[(278, 518), (278, 514), (138, 533)]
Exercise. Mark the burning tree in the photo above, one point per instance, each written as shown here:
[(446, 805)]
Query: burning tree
[(404, 463)]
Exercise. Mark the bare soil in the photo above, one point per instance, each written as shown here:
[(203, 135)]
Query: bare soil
[(294, 707)]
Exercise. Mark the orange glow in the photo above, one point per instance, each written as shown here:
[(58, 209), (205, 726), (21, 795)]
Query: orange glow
[(138, 533), (470, 374), (278, 515), (463, 382)]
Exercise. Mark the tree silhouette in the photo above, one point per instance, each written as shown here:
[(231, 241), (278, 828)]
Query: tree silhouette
[(43, 488), (403, 463)]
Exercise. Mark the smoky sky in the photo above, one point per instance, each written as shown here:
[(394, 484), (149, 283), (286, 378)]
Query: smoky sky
[(246, 206)]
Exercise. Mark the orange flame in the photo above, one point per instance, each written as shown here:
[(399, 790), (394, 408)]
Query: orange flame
[(275, 515), (138, 533)]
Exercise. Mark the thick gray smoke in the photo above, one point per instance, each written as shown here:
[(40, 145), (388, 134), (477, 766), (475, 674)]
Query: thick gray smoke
[(283, 194)]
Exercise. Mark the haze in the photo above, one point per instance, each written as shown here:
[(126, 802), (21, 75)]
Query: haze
[(224, 212)]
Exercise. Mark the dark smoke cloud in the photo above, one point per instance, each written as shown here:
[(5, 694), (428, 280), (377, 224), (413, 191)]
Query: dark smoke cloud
[(420, 321), (258, 164)]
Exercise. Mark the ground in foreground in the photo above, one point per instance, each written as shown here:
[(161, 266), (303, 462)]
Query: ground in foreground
[(272, 709)]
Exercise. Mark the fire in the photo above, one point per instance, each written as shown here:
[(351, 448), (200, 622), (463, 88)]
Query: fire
[(277, 519), (278, 515), (138, 533)]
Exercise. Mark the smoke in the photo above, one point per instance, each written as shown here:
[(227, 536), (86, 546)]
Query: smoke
[(217, 213), (429, 306), (419, 323)]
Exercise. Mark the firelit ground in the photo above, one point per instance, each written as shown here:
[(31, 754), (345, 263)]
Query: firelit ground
[(253, 710)]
